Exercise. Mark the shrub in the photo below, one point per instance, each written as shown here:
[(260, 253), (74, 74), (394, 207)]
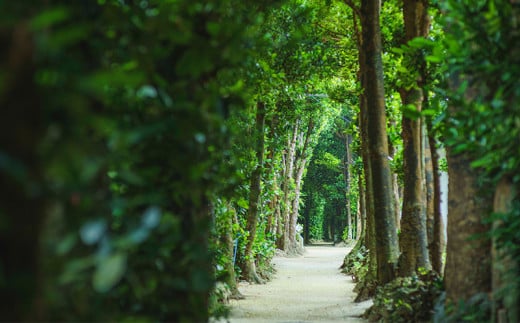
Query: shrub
[(406, 299)]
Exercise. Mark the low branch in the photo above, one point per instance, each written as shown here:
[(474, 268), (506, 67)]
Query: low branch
[(354, 8)]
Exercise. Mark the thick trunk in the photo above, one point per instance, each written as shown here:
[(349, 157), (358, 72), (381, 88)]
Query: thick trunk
[(22, 212), (370, 231), (413, 239), (387, 248), (366, 192), (468, 267), (366, 289), (254, 197), (506, 295)]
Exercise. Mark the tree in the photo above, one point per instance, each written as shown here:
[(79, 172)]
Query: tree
[(372, 81), (254, 195), (413, 238), (22, 211), (482, 100), (120, 134)]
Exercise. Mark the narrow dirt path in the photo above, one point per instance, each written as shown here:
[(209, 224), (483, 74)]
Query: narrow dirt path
[(309, 288)]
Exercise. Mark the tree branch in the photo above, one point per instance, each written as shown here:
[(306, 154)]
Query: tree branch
[(356, 9)]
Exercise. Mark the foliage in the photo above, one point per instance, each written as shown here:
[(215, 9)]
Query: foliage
[(408, 299), (476, 309), (356, 263), (480, 51), (134, 145), (484, 74), (324, 187), (140, 152)]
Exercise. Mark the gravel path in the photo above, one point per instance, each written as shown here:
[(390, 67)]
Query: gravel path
[(309, 288)]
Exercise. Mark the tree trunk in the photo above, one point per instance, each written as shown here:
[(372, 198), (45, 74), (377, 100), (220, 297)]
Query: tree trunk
[(270, 170), (361, 213), (294, 245), (367, 192), (430, 198), (274, 209), (436, 248), (288, 182), (413, 239), (387, 248), (506, 295), (397, 200), (231, 280), (301, 162), (254, 197), (395, 183), (22, 212), (307, 222), (347, 175), (468, 267)]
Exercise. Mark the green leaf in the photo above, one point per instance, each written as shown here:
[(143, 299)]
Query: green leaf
[(410, 112), (433, 59), (49, 18), (397, 50), (243, 203), (482, 162), (420, 42), (109, 272)]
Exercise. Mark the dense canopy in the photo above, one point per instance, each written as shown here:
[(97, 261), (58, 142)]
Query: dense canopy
[(154, 153)]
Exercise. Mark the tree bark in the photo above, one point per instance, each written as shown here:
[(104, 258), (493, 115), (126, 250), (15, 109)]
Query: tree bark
[(360, 234), (270, 169), (430, 198), (436, 247), (362, 212), (385, 228), (231, 280), (414, 239), (347, 176), (288, 183), (301, 161), (254, 197), (21, 186), (506, 295), (468, 267)]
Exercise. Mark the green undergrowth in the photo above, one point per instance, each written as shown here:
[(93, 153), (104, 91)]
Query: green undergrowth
[(475, 309), (219, 301), (356, 263), (407, 299)]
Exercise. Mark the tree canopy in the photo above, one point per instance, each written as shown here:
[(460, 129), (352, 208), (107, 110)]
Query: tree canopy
[(154, 153)]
